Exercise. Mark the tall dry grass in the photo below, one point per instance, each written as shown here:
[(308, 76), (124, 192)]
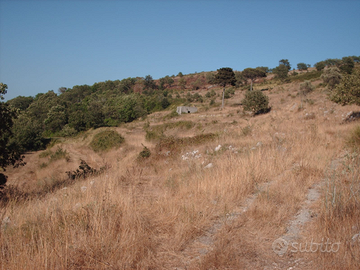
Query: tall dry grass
[(145, 215)]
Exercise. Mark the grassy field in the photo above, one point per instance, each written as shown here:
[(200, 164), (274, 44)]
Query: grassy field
[(199, 201)]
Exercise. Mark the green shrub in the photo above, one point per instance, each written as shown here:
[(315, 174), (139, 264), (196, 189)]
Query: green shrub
[(332, 76), (145, 153), (348, 91), (106, 140), (306, 87), (256, 102), (59, 154)]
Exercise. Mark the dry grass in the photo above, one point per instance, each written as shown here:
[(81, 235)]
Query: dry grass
[(149, 214)]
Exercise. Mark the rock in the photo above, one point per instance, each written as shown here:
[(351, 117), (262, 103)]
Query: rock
[(83, 189), (259, 144), (210, 165), (217, 148), (5, 222)]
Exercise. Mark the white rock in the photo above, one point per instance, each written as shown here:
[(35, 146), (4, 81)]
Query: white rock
[(210, 165), (5, 222), (217, 148)]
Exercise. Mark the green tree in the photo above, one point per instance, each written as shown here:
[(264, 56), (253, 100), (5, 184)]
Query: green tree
[(9, 151), (347, 65), (225, 76), (56, 118), (253, 74), (302, 66), (149, 83), (281, 72), (348, 90), (20, 102), (256, 102), (286, 63), (320, 65)]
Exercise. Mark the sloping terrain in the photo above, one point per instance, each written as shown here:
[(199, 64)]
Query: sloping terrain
[(275, 191)]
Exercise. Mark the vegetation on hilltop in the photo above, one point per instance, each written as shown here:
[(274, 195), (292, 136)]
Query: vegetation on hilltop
[(111, 103)]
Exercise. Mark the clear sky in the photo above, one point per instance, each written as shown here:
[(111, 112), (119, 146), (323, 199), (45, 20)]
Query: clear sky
[(49, 44)]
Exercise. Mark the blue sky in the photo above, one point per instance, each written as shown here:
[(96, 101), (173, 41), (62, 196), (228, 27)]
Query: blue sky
[(49, 44)]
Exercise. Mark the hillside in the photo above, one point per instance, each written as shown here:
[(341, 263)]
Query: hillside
[(222, 189)]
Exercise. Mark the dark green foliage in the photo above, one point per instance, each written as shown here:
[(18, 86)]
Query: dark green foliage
[(9, 151), (264, 69), (347, 65), (3, 180), (253, 73), (166, 81), (149, 83), (83, 171), (320, 65), (165, 103), (302, 66), (225, 76), (145, 153), (286, 63), (256, 102), (281, 72), (106, 140), (20, 102), (348, 90)]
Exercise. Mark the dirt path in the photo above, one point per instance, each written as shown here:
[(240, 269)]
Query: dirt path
[(202, 245)]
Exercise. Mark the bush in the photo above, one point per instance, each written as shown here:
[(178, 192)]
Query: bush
[(60, 154), (106, 140), (348, 91), (306, 87), (145, 153), (256, 101), (331, 76)]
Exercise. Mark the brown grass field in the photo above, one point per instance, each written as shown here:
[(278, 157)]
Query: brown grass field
[(287, 174)]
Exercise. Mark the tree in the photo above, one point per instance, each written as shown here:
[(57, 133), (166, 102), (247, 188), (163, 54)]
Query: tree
[(347, 65), (149, 83), (320, 65), (62, 90), (331, 76), (225, 76), (21, 102), (9, 151), (256, 102), (302, 66), (281, 72), (286, 63), (348, 91), (56, 118), (253, 74)]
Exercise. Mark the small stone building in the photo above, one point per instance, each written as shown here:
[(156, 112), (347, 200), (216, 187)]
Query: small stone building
[(186, 109)]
